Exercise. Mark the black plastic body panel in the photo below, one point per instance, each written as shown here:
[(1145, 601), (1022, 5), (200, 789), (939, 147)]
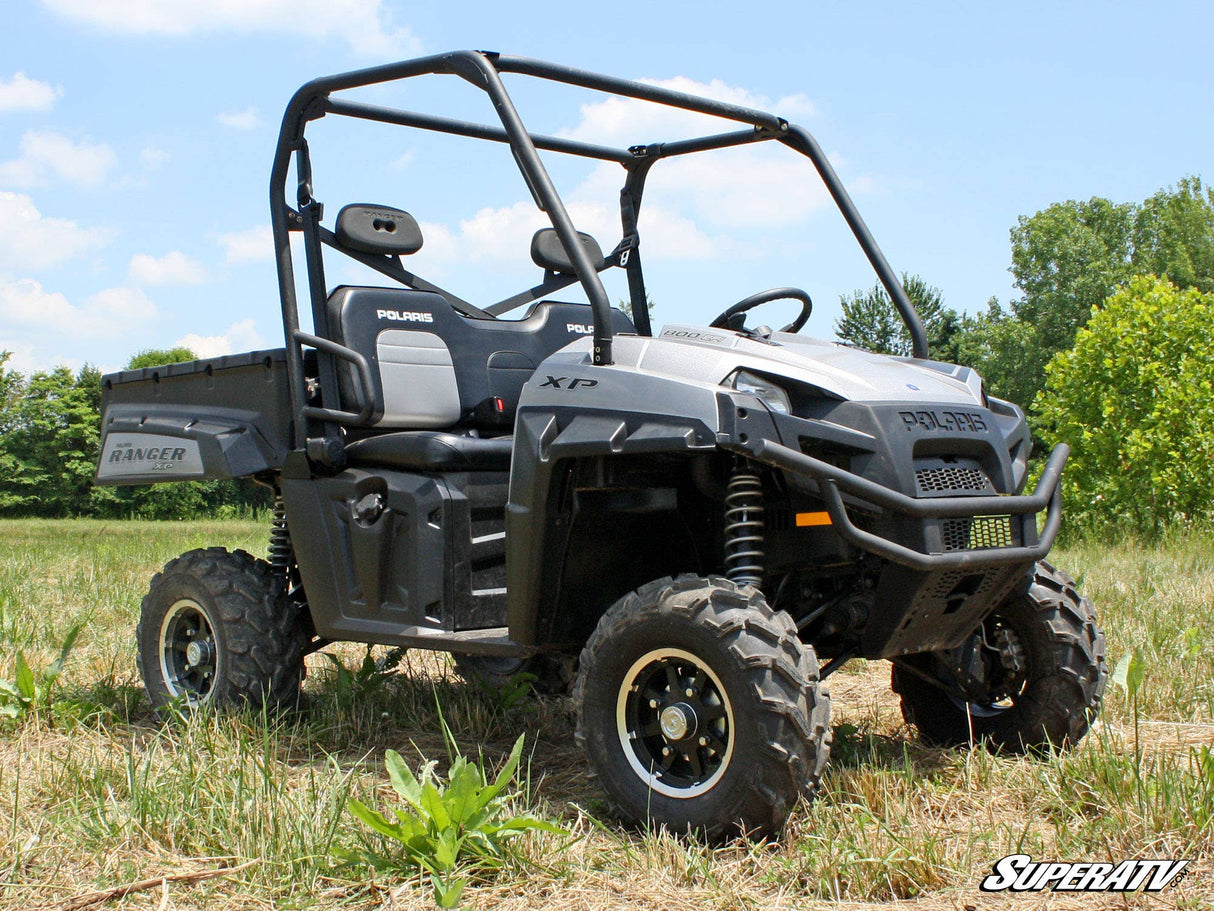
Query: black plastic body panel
[(399, 557), (544, 438), (224, 417)]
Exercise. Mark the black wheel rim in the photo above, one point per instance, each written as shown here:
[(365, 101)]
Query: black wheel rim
[(675, 723), (189, 657)]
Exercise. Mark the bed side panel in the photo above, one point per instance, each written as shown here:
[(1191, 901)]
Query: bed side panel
[(225, 417)]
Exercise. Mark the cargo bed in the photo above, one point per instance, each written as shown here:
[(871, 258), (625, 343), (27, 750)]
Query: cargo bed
[(221, 417)]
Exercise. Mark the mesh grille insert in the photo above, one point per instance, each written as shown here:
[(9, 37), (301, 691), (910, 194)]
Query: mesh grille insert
[(951, 479), (981, 533)]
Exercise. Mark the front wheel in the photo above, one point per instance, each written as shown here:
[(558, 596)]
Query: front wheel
[(216, 627), (700, 709), (1030, 678)]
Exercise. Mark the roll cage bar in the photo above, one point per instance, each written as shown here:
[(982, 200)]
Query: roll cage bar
[(483, 70)]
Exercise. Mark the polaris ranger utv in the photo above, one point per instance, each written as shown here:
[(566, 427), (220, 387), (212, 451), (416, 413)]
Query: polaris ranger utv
[(678, 524)]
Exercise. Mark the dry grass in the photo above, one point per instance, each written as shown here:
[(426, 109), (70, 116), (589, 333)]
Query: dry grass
[(96, 793)]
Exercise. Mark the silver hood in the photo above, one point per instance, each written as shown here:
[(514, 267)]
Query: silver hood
[(708, 356)]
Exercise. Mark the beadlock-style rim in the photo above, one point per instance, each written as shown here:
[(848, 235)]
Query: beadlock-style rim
[(189, 658), (675, 723)]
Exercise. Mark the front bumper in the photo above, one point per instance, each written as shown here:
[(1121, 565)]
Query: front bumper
[(749, 429), (1022, 510), (946, 560)]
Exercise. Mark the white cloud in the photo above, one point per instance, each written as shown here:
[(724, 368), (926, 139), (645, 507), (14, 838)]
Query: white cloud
[(399, 164), (29, 241), (20, 93), (153, 158), (248, 246), (27, 359), (365, 24), (502, 236), (240, 336), (27, 308), (248, 119), (630, 121), (174, 268), (46, 154), (691, 202), (752, 185)]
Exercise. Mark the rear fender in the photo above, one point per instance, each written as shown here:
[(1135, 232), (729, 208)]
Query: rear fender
[(223, 417), (143, 444)]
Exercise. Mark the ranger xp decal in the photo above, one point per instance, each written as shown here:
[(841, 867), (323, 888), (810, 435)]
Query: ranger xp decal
[(149, 453), (565, 382)]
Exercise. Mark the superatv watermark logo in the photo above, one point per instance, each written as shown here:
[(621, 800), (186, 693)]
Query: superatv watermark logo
[(405, 316), (1020, 873)]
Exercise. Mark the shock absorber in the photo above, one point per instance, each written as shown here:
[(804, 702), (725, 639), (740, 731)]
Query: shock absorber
[(744, 527), (282, 555)]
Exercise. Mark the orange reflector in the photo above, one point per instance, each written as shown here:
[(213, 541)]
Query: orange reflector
[(811, 519)]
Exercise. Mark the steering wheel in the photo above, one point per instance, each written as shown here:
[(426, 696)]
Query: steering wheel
[(733, 319)]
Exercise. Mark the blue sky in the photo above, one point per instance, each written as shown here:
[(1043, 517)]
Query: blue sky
[(136, 138)]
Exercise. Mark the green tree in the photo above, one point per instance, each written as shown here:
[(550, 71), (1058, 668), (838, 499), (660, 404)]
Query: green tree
[(1135, 400), (49, 440), (11, 384), (626, 306), (50, 443), (158, 357), (1005, 351), (1174, 235), (871, 321), (1070, 257), (1066, 260)]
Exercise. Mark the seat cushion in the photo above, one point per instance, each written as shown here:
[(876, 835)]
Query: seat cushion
[(429, 450)]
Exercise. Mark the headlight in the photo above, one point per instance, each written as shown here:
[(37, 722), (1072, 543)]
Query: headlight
[(767, 392)]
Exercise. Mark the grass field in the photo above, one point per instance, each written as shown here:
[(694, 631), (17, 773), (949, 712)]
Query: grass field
[(96, 793)]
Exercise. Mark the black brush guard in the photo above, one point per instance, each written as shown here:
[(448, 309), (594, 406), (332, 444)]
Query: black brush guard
[(1022, 509)]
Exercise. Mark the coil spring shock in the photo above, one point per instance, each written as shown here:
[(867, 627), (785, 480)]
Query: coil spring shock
[(744, 527), (282, 555)]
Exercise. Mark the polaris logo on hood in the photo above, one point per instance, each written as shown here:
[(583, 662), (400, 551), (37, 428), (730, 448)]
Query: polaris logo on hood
[(949, 421)]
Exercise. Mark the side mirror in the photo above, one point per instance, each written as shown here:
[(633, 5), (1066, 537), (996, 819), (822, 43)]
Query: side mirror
[(548, 253), (378, 229)]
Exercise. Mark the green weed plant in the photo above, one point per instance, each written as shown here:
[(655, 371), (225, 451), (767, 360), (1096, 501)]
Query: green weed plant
[(448, 828), (28, 693)]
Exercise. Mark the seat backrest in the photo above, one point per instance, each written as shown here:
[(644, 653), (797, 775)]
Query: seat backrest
[(433, 367)]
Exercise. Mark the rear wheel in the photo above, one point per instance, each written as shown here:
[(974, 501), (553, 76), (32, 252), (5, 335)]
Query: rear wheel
[(700, 709), (1030, 678), (216, 627)]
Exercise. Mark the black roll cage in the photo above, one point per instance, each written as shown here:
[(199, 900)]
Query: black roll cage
[(483, 70)]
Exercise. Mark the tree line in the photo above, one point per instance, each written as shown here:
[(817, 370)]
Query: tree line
[(50, 430), (1109, 348)]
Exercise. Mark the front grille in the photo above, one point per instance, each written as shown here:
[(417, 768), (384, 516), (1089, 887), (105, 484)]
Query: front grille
[(952, 479), (981, 533)]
